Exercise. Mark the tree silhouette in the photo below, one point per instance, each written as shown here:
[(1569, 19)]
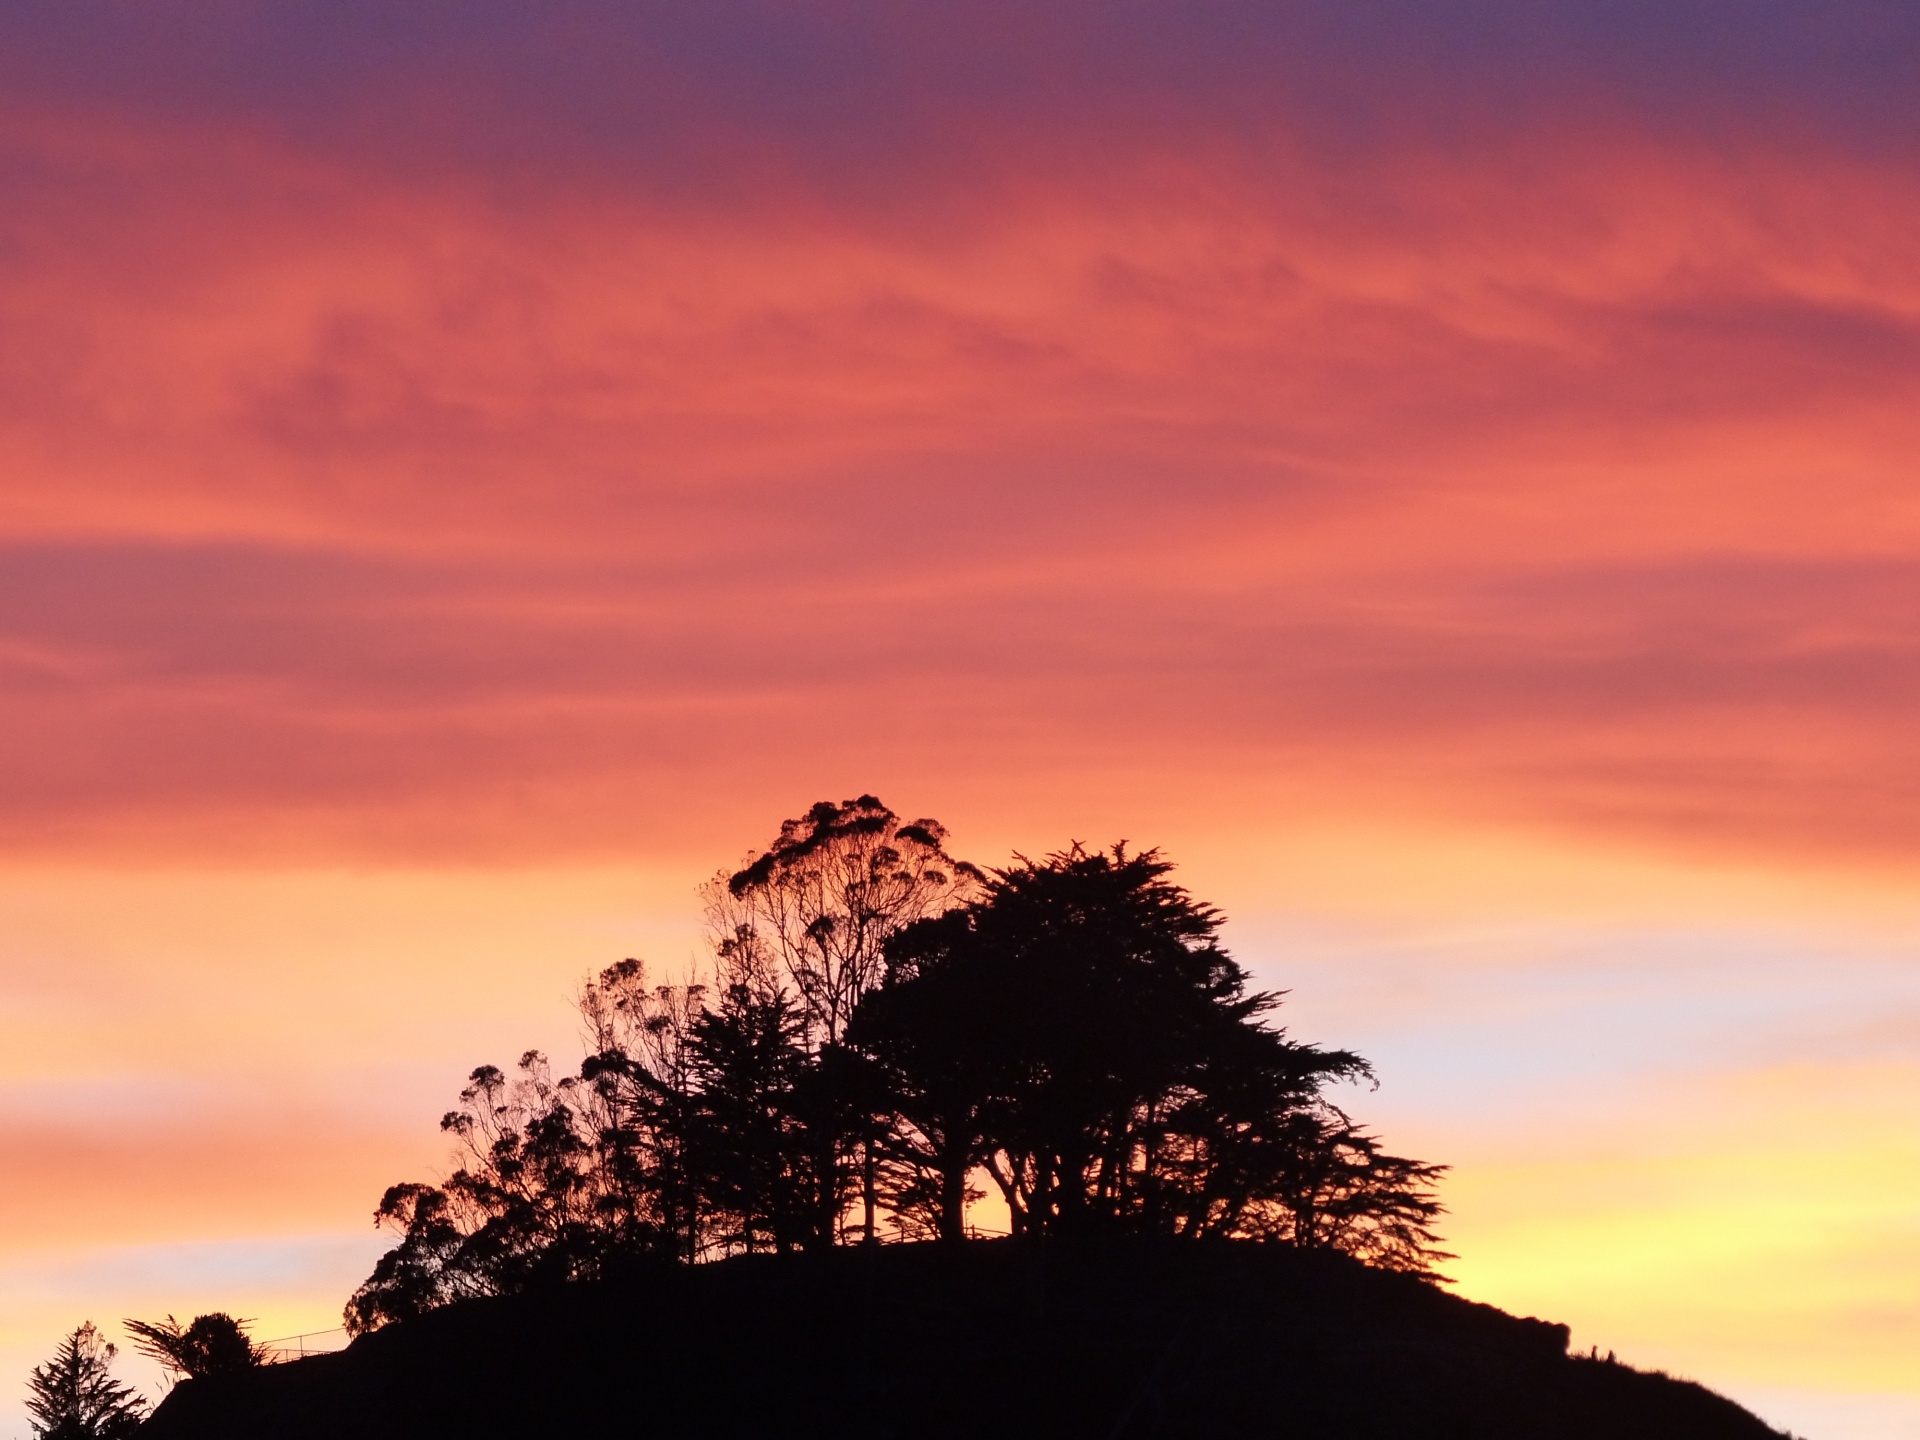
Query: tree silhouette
[(215, 1344), (887, 1027), (936, 1030), (747, 1142), (74, 1395), (813, 913), (1079, 1032), (542, 1196), (1342, 1192), (815, 909), (643, 1072)]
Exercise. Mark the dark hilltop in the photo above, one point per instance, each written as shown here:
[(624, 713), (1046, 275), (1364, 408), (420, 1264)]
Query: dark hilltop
[(1131, 1339)]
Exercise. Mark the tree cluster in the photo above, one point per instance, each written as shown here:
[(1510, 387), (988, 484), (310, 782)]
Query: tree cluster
[(75, 1397), (885, 1033)]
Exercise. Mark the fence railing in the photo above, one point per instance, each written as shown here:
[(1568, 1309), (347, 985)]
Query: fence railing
[(326, 1342), (298, 1347)]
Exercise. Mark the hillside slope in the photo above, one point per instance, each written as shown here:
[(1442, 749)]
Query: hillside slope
[(1130, 1340)]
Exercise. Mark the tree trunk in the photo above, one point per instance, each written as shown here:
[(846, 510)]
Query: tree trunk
[(1009, 1190), (869, 1186), (953, 1194), (825, 1200)]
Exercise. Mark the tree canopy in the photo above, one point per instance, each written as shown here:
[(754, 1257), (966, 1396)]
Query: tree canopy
[(887, 1037)]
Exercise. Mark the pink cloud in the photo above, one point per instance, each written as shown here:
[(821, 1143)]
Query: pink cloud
[(1560, 482)]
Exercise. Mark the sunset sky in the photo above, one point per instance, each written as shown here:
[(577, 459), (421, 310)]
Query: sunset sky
[(1448, 473)]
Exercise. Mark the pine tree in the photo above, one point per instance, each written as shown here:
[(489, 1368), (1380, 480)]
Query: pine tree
[(75, 1397)]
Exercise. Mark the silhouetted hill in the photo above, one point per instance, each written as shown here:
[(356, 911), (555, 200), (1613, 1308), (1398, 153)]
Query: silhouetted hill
[(992, 1339)]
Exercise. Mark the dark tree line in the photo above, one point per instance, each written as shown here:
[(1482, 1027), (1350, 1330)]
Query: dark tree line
[(887, 1032)]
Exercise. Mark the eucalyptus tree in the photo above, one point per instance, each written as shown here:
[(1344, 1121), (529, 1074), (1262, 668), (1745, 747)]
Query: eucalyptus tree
[(542, 1193), (812, 913), (815, 909)]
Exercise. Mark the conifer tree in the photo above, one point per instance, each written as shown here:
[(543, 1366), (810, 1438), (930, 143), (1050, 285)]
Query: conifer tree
[(74, 1395)]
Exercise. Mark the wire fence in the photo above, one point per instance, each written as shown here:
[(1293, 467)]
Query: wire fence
[(328, 1342), (298, 1347)]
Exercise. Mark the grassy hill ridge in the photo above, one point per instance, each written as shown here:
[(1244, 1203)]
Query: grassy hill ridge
[(1122, 1340)]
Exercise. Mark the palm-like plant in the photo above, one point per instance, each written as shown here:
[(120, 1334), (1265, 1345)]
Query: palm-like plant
[(215, 1344)]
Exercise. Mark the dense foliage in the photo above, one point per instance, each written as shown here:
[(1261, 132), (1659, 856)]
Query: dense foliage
[(886, 1032)]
